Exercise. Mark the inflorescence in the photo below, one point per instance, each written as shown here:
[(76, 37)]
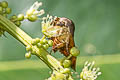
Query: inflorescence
[(32, 14), (4, 11), (47, 25), (89, 72), (39, 43)]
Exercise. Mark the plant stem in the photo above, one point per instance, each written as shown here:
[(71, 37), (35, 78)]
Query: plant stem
[(25, 39)]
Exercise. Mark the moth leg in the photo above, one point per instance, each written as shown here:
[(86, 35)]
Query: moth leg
[(67, 43), (60, 45)]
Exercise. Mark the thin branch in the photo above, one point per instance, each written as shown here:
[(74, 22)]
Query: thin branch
[(25, 39)]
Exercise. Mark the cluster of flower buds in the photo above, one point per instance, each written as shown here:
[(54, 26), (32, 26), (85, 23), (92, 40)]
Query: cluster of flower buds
[(62, 75), (4, 9), (66, 62), (47, 23), (33, 13), (57, 76), (42, 43), (15, 20), (89, 72), (39, 43)]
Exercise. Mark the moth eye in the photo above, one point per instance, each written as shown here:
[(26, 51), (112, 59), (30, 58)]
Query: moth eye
[(57, 19), (60, 24)]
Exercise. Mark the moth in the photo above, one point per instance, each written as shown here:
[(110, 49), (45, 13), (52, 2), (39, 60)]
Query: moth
[(62, 34)]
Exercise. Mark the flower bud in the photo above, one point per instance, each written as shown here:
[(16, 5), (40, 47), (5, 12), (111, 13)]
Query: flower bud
[(39, 45), (50, 42), (8, 10), (59, 76), (14, 17), (37, 40), (74, 51), (30, 12), (4, 4), (28, 48), (46, 46), (43, 41), (17, 23), (20, 17), (28, 55), (66, 63), (33, 50), (66, 70), (32, 18), (34, 42)]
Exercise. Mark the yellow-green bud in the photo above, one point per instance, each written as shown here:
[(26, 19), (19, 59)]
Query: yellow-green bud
[(59, 76), (37, 40), (50, 42), (74, 51), (17, 23), (45, 41), (14, 17), (8, 10), (53, 77), (46, 46), (34, 42), (33, 50), (28, 55), (81, 75), (39, 45), (28, 48), (30, 12), (66, 70), (66, 63), (41, 41), (4, 4), (20, 17), (32, 18), (70, 78)]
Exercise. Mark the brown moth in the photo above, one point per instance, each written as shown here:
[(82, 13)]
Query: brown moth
[(63, 39)]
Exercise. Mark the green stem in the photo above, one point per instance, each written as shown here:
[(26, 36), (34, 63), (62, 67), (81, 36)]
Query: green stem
[(25, 39)]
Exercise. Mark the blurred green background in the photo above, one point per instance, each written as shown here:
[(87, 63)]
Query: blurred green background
[(97, 24)]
